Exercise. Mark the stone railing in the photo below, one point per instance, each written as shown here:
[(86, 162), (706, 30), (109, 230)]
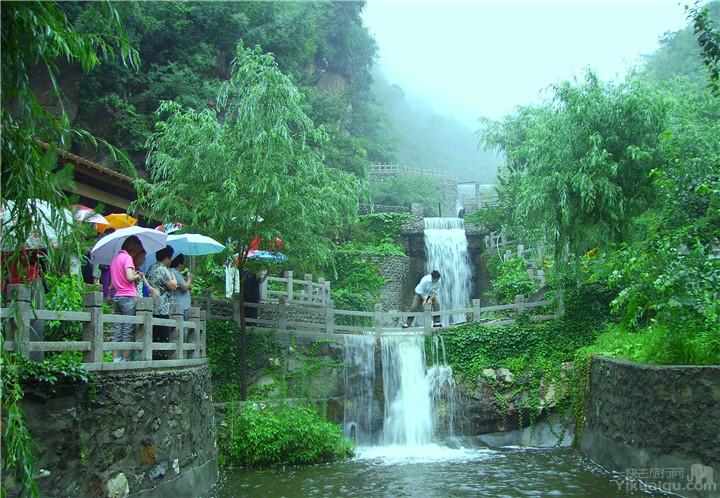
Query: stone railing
[(382, 171), (19, 313), (281, 316), (296, 290)]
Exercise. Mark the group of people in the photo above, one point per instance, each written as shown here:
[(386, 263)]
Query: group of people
[(164, 282)]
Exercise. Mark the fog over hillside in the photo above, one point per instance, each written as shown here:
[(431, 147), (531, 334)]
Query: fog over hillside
[(427, 139)]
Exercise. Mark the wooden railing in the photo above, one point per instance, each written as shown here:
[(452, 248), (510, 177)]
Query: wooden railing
[(17, 316), (287, 316)]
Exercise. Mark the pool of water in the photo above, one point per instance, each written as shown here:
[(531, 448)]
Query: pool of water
[(430, 471)]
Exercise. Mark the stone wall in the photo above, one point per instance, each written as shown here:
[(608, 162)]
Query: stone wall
[(396, 270), (140, 434), (660, 424)]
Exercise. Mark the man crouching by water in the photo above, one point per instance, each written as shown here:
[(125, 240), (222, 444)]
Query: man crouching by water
[(426, 293)]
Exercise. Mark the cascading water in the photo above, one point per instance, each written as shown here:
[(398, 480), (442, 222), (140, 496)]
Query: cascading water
[(360, 405), (419, 401), (408, 408), (446, 247)]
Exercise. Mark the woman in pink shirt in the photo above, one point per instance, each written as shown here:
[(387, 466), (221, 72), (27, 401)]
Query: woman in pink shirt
[(124, 279)]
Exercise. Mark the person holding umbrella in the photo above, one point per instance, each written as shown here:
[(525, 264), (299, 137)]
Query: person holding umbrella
[(124, 280), (181, 294), (159, 277)]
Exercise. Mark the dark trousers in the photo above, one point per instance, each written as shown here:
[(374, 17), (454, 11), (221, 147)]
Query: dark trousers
[(418, 305), (161, 333)]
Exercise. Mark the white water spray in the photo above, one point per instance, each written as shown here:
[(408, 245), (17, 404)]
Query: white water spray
[(360, 404), (446, 247)]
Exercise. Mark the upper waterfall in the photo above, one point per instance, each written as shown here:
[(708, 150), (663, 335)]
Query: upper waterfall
[(446, 247)]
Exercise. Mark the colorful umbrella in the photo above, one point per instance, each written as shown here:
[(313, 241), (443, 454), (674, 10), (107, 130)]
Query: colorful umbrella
[(118, 220), (107, 247), (169, 228), (268, 256)]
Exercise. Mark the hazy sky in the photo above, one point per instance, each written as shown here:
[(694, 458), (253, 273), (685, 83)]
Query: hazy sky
[(482, 58)]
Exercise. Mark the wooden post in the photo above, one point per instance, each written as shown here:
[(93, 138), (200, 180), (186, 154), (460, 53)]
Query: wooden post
[(508, 255), (93, 330), (289, 284), (328, 295), (194, 334), (541, 277), (177, 334), (329, 318), (144, 308), (282, 313), (203, 334), (427, 318), (321, 291), (263, 285), (308, 287), (520, 303), (476, 310), (520, 250), (21, 295), (378, 319)]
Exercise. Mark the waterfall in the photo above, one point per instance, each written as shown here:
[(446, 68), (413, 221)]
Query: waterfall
[(408, 407), (446, 248), (360, 406)]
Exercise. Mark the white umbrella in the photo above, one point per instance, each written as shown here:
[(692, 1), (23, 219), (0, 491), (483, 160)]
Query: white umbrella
[(107, 247), (48, 218), (194, 244), (87, 215)]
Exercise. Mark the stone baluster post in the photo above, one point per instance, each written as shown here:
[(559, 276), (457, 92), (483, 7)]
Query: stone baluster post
[(289, 285), (282, 313), (308, 287), (20, 294), (177, 334), (263, 285), (321, 291), (520, 303), (144, 308), (329, 317), (476, 310), (194, 334), (427, 318), (378, 319), (93, 330), (203, 334)]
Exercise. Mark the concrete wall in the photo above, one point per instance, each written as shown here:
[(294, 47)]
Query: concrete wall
[(140, 434), (660, 424)]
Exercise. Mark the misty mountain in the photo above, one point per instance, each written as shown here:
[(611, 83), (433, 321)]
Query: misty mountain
[(426, 139)]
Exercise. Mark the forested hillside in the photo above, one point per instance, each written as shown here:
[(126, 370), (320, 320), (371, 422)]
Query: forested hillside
[(426, 139), (186, 50), (679, 55)]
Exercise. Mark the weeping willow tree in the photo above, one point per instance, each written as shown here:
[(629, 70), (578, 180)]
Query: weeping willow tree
[(249, 169), (35, 37)]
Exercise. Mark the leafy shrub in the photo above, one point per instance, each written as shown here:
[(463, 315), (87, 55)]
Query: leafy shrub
[(509, 279), (65, 294), (257, 435)]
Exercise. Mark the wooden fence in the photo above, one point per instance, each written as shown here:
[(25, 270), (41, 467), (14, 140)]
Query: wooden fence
[(388, 170), (287, 316), (182, 352)]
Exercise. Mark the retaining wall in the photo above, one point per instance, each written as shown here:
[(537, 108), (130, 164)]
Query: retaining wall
[(659, 424), (140, 434)]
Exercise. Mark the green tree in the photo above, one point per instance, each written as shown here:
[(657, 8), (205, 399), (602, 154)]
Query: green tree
[(708, 37), (250, 168), (577, 166), (406, 190)]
